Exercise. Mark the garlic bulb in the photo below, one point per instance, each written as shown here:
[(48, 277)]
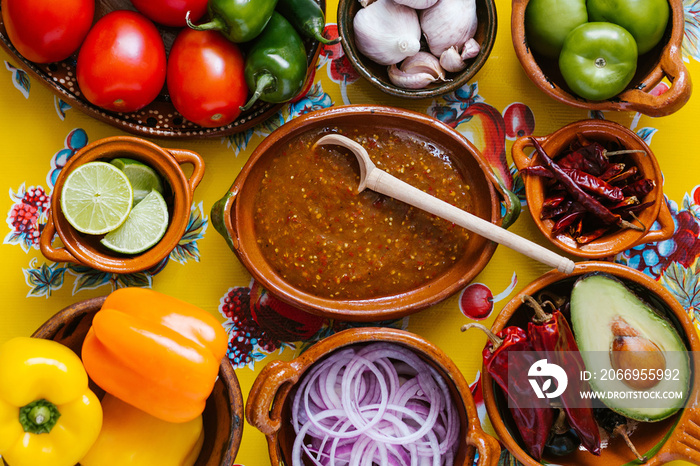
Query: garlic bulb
[(387, 32), (417, 4), (417, 71), (452, 60), (448, 23)]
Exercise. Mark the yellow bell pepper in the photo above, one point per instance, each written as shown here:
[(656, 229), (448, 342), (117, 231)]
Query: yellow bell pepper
[(131, 437), (155, 352), (48, 415)]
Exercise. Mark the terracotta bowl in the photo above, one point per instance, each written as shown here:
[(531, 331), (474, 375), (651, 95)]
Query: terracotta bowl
[(676, 438), (223, 414), (620, 240), (664, 61), (377, 74), (85, 249), (233, 215), (159, 118), (268, 405)]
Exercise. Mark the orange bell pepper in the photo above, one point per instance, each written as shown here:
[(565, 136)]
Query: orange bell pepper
[(155, 352)]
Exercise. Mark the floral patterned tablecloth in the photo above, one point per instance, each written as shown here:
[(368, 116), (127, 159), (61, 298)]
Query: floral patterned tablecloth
[(39, 133)]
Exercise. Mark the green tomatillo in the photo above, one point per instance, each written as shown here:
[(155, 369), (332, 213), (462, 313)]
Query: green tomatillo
[(598, 60), (646, 20), (548, 22)]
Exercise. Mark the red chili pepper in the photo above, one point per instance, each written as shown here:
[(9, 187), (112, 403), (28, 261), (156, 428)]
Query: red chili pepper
[(639, 188), (566, 221), (595, 185), (624, 175), (553, 201), (552, 337), (593, 235), (534, 424), (590, 158), (538, 170), (613, 169)]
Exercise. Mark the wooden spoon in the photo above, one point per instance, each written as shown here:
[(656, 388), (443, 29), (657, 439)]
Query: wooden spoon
[(382, 182)]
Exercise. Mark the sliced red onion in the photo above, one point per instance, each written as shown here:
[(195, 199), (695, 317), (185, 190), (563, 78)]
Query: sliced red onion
[(377, 404)]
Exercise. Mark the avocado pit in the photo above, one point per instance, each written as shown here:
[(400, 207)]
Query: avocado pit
[(630, 351)]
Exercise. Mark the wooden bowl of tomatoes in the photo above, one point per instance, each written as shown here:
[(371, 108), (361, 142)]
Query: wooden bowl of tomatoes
[(605, 66), (170, 93)]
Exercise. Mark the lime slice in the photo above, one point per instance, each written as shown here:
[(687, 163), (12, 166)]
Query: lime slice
[(143, 178), (96, 198), (144, 227)]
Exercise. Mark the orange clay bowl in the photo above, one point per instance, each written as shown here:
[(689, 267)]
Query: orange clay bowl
[(223, 414), (378, 75), (663, 61), (85, 249), (233, 215), (675, 438), (268, 406), (619, 240)]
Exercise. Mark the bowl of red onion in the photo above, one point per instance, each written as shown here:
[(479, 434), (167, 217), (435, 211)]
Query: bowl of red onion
[(379, 395)]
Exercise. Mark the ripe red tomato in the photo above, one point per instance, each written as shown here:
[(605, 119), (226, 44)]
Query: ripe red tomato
[(46, 31), (205, 78), (171, 12), (121, 65)]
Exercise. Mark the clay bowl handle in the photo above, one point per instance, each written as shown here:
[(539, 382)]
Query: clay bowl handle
[(667, 227), (220, 216), (47, 249), (185, 156), (261, 410), (674, 98), (488, 447)]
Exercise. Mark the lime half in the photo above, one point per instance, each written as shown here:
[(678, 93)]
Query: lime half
[(96, 198), (144, 227), (143, 178)]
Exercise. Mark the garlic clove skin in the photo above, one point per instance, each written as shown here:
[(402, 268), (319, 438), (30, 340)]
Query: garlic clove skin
[(424, 62), (471, 49), (448, 23), (417, 4), (451, 60), (417, 71), (387, 32), (406, 80)]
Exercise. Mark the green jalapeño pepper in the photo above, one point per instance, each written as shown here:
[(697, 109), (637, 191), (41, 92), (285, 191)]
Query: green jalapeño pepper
[(307, 16), (275, 66), (238, 20), (598, 60)]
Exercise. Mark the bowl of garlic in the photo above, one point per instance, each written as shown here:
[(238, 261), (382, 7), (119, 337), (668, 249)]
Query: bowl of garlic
[(417, 48)]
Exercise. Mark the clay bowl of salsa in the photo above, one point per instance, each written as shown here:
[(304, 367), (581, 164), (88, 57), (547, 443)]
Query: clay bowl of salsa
[(294, 219)]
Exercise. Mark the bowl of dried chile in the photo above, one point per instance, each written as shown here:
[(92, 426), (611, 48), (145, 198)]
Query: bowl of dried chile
[(594, 188)]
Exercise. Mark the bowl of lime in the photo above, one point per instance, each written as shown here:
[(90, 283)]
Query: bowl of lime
[(120, 205)]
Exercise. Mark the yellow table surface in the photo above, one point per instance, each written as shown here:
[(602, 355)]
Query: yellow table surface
[(33, 134)]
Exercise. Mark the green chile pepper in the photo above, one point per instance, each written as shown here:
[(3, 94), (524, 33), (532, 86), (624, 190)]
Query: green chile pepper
[(275, 65), (598, 60), (307, 16), (238, 20)]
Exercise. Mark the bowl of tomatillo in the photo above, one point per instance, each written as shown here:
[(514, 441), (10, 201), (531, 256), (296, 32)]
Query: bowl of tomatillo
[(604, 55)]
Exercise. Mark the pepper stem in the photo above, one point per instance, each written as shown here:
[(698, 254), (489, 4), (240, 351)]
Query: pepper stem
[(325, 41), (39, 416), (560, 426), (540, 315), (215, 24), (263, 83), (621, 429), (495, 339), (625, 151)]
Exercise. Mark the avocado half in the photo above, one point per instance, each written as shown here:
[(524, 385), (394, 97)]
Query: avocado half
[(607, 316)]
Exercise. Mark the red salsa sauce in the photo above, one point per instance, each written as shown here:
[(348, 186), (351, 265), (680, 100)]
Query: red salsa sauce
[(323, 237)]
